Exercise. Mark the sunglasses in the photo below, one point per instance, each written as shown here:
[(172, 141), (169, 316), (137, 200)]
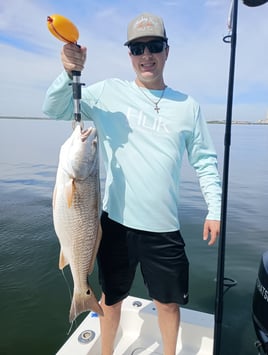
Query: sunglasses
[(155, 46)]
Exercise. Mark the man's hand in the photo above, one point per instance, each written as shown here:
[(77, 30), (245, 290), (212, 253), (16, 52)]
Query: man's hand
[(212, 229), (73, 57)]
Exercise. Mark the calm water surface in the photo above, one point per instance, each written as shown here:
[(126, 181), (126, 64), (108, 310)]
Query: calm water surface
[(34, 298)]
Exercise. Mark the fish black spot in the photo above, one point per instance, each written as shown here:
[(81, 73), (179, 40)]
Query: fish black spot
[(88, 292)]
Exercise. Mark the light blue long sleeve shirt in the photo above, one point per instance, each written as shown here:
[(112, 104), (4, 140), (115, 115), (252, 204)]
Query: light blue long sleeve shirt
[(142, 150)]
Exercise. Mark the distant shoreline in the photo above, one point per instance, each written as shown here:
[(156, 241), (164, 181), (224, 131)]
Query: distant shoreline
[(25, 118), (260, 122)]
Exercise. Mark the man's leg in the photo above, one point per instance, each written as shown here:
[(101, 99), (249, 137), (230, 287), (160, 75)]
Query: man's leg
[(109, 325), (169, 321)]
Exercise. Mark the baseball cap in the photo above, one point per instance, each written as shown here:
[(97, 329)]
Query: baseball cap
[(144, 25)]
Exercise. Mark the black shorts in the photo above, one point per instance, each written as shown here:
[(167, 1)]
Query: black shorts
[(163, 261)]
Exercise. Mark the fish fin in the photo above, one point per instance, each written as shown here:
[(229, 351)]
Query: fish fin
[(69, 191), (54, 196), (83, 302), (96, 247), (62, 261)]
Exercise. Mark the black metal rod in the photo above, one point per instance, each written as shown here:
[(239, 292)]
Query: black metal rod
[(76, 94), (227, 143)]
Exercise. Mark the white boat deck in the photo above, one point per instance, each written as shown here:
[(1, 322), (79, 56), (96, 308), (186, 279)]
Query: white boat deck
[(139, 333)]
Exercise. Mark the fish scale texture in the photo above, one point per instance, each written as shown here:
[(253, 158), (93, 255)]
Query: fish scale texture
[(76, 220)]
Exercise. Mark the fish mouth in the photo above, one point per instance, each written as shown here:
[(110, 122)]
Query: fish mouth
[(87, 132)]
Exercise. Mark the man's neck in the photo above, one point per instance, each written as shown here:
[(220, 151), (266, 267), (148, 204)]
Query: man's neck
[(150, 85)]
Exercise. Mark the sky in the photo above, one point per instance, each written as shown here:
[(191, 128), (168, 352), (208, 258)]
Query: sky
[(198, 62)]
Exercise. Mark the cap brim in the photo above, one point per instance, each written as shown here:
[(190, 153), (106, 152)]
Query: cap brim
[(134, 39)]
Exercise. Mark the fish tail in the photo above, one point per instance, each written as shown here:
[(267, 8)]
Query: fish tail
[(83, 302)]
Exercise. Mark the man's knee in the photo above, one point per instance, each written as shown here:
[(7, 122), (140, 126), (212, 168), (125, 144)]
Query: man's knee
[(167, 307), (111, 308)]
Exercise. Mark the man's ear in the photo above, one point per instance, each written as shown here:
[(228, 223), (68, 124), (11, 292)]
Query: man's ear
[(167, 52)]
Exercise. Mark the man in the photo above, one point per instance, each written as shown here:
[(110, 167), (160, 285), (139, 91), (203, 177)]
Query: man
[(144, 127)]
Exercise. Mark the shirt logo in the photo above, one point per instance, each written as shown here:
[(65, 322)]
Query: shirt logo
[(149, 123)]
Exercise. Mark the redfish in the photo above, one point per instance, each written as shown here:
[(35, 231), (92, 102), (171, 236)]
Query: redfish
[(76, 214)]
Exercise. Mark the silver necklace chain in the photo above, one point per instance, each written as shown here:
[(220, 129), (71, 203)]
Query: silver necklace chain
[(156, 108)]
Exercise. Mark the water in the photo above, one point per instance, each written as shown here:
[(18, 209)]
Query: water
[(34, 298)]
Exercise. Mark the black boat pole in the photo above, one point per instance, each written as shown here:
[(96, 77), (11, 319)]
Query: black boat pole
[(227, 143)]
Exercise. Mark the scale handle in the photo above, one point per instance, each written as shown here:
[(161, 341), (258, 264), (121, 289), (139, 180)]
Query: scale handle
[(66, 31)]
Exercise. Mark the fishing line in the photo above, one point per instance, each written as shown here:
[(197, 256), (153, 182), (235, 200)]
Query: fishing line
[(71, 327), (70, 296), (67, 283)]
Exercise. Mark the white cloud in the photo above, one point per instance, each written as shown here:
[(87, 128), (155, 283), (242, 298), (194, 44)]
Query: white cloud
[(198, 62)]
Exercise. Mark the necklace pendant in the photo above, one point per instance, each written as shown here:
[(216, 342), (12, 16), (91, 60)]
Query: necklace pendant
[(157, 108)]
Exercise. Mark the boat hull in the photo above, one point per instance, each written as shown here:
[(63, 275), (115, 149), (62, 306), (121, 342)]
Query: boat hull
[(139, 333)]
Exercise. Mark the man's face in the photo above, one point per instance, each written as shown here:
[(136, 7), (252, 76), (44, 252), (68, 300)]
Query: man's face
[(148, 65)]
